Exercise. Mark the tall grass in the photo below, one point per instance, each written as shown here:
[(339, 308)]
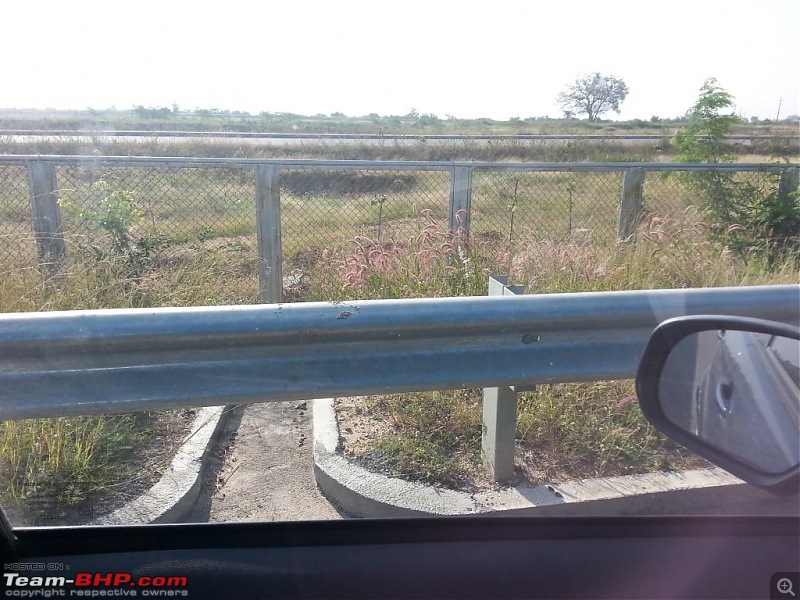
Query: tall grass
[(671, 252), (434, 262), (63, 460), (503, 150), (567, 430), (51, 468)]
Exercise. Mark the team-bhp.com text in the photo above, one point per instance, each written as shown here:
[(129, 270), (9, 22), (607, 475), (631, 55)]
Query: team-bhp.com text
[(94, 585)]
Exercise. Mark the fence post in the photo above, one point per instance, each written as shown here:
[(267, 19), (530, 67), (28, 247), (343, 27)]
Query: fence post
[(500, 410), (460, 199), (789, 181), (268, 225), (631, 205), (47, 226)]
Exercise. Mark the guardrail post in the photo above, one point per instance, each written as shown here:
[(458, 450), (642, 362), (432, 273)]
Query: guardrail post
[(631, 204), (498, 440), (789, 181), (268, 225), (460, 199), (47, 226)]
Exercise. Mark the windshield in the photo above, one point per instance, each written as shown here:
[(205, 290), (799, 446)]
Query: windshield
[(333, 229)]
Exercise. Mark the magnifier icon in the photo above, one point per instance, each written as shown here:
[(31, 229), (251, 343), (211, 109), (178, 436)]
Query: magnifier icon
[(784, 586)]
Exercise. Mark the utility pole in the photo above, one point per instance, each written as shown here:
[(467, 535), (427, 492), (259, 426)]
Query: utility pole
[(778, 116)]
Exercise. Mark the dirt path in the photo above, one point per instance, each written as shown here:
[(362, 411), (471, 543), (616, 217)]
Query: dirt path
[(262, 470)]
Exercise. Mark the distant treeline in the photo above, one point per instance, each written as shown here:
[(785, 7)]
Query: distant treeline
[(176, 119)]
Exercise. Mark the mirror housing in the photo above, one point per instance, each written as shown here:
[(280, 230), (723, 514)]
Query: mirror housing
[(690, 382)]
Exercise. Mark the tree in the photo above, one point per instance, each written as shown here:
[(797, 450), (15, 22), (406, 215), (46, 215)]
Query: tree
[(593, 95), (710, 121), (703, 141), (753, 218)]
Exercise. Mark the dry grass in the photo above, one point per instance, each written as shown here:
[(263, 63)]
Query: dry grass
[(59, 471), (72, 470), (565, 431)]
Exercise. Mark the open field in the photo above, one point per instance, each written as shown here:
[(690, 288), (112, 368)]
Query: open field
[(154, 119), (532, 150)]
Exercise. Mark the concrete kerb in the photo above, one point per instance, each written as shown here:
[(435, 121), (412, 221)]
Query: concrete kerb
[(363, 493), (174, 495)]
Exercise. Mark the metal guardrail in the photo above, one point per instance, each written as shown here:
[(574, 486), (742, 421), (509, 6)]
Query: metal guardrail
[(387, 165), (116, 361)]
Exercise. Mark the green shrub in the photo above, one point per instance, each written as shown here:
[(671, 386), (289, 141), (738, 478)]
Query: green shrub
[(753, 219), (115, 218)]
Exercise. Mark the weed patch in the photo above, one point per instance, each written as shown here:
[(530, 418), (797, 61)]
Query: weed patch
[(57, 470), (579, 430)]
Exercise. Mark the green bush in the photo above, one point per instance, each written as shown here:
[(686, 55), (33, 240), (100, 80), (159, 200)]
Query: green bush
[(753, 219), (115, 217)]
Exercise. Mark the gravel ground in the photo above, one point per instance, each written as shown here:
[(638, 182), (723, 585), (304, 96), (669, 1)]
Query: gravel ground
[(378, 461), (262, 469)]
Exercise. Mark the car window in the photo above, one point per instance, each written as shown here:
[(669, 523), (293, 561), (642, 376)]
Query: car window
[(313, 246)]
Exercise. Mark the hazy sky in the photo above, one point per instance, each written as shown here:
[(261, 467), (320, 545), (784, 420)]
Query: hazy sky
[(498, 58)]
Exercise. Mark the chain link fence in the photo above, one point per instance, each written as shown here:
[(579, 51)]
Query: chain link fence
[(326, 208), (197, 223), (179, 205), (666, 194), (546, 205), (17, 244)]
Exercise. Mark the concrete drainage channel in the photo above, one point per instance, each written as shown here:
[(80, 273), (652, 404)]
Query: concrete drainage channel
[(363, 493), (173, 496)]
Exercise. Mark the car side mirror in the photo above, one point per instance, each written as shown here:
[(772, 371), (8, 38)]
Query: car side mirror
[(728, 388)]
